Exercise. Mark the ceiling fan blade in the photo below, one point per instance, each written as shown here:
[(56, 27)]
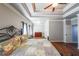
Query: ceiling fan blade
[(48, 6), (34, 7), (53, 9), (61, 3)]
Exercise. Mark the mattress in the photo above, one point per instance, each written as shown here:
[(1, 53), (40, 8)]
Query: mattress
[(33, 47)]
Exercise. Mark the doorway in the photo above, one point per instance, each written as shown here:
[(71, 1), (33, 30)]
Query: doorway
[(74, 33)]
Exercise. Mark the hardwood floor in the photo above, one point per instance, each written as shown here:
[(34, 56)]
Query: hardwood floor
[(66, 49)]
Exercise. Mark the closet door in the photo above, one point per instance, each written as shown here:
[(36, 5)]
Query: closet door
[(56, 31), (68, 32)]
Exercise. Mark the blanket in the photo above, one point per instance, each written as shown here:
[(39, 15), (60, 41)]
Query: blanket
[(39, 47)]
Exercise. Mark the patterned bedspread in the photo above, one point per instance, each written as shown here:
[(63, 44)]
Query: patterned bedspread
[(36, 47)]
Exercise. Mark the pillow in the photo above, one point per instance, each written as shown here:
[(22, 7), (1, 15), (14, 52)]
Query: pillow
[(13, 43), (8, 49), (21, 38), (24, 37), (16, 41)]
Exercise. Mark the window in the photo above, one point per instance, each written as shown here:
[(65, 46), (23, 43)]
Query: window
[(24, 28)]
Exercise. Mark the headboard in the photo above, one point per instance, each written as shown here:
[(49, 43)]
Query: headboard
[(8, 32)]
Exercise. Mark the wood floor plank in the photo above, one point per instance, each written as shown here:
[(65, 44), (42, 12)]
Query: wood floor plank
[(66, 49)]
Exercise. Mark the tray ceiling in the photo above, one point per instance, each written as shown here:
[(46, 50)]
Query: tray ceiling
[(39, 7)]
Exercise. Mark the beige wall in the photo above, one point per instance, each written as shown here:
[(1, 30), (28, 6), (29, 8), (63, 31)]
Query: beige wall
[(8, 17)]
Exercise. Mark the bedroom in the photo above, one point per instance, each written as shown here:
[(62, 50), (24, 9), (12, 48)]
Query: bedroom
[(39, 26)]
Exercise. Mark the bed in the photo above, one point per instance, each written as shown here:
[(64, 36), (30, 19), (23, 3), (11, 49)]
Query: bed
[(33, 47)]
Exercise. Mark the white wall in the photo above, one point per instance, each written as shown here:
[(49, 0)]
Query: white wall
[(38, 25), (43, 26), (46, 28), (8, 17)]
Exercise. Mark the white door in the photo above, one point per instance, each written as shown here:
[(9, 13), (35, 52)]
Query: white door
[(68, 33)]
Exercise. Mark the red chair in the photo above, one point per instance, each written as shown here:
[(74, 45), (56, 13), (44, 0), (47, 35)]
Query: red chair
[(38, 34)]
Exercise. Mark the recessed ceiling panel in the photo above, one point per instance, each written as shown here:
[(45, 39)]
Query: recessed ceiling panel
[(40, 7)]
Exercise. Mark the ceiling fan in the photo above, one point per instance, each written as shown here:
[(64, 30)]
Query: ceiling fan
[(54, 5)]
